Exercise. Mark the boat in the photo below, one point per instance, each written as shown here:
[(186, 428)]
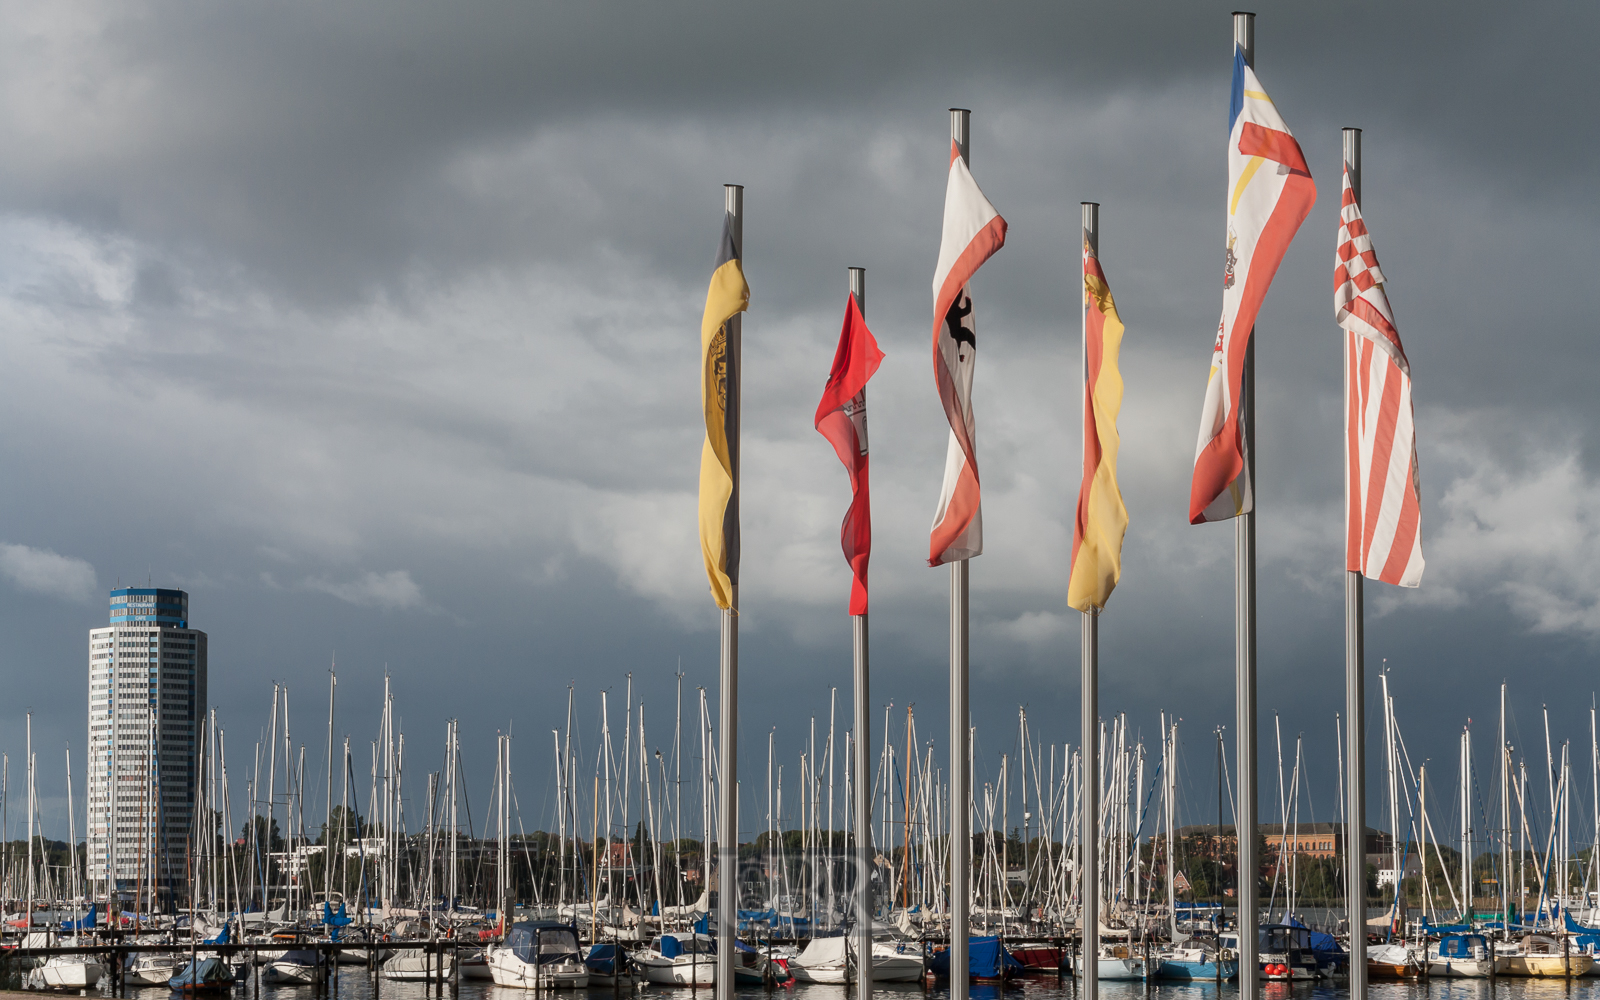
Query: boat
[(608, 965), (538, 954), (202, 977), (987, 961), (68, 972), (1466, 956), (679, 959), (1194, 963), (1283, 952), (1539, 955), (832, 960), (1394, 960), (1119, 961), (153, 968), (295, 967), (1039, 957), (418, 965), (474, 964), (752, 967)]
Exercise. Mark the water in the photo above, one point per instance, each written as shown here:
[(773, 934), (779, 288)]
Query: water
[(356, 984)]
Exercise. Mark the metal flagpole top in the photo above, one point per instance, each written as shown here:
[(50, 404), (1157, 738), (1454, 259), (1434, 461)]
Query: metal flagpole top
[(858, 287), (1091, 228), (1244, 34), (1352, 159), (961, 132)]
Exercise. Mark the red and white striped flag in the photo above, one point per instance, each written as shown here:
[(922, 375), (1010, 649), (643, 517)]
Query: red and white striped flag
[(973, 231), (1382, 494)]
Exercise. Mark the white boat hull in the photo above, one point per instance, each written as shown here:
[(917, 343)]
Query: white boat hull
[(696, 970), (418, 967), (70, 972), (153, 970), (289, 974), (507, 969), (1467, 968)]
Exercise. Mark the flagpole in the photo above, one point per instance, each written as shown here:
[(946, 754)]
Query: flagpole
[(862, 790), (728, 787), (1355, 837), (1089, 836), (960, 775), (1244, 576)]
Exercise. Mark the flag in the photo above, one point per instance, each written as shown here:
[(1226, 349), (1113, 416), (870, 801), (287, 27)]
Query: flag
[(1383, 539), (1270, 192), (842, 419), (719, 386), (1102, 519), (973, 231)]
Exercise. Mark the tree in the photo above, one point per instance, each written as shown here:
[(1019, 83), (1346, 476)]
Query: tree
[(273, 843), (343, 826)]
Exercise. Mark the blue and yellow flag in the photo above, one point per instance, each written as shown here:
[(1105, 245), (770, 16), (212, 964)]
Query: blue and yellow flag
[(719, 385)]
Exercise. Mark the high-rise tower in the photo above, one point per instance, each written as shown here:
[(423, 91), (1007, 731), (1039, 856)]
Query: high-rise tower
[(147, 697)]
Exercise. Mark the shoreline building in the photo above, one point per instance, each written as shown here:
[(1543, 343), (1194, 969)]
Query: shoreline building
[(147, 697)]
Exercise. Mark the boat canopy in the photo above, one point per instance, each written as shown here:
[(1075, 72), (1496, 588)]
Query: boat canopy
[(1461, 945), (674, 945), (542, 941)]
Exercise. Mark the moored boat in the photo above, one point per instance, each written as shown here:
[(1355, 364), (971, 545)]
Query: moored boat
[(679, 959), (1467, 956), (538, 954)]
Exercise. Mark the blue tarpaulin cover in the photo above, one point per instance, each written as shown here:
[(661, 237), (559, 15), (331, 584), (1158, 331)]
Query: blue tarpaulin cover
[(987, 958), (84, 924)]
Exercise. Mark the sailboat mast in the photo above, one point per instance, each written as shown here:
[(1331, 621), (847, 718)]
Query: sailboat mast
[(1466, 824), (327, 811)]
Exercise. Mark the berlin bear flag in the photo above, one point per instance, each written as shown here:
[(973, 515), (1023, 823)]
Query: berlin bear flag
[(1383, 538), (1270, 192), (973, 231), (842, 419)]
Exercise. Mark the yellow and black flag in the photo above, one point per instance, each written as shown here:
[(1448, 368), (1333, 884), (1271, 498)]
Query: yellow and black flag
[(719, 385)]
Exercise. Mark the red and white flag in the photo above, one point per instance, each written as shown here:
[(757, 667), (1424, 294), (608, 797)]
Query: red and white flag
[(842, 419), (973, 231), (1270, 191), (1383, 498)]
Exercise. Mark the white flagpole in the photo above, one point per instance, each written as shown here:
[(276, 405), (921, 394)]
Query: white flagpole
[(1355, 837), (862, 790), (728, 788), (1244, 577), (960, 773), (1089, 818)]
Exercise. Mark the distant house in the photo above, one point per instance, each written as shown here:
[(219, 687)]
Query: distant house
[(1317, 840)]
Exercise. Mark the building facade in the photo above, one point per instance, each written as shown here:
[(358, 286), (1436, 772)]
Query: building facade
[(147, 697)]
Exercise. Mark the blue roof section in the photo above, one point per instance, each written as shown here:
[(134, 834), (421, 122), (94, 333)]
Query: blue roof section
[(149, 605)]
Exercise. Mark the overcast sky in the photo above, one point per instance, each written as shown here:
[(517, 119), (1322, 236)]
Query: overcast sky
[(375, 327)]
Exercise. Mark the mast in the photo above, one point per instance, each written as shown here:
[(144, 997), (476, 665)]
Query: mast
[(1466, 824), (1244, 571), (327, 811), (1089, 714), (1355, 707), (858, 789), (728, 679), (29, 751), (1505, 816)]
